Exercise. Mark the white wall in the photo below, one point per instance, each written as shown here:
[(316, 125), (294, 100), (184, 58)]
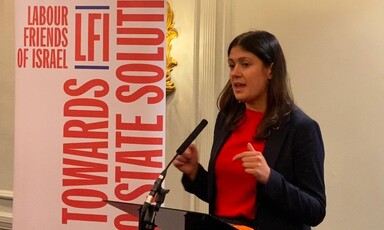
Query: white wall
[(178, 116), (335, 52)]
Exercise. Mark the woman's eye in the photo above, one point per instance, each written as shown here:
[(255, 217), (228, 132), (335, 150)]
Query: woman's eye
[(245, 64), (231, 66)]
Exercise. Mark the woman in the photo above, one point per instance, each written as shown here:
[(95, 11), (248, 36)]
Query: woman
[(266, 169)]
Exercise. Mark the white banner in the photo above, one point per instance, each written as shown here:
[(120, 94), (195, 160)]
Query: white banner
[(90, 110)]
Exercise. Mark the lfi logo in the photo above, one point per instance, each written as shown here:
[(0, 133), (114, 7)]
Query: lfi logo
[(92, 36)]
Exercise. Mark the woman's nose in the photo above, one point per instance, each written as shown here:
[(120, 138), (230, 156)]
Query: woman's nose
[(235, 71)]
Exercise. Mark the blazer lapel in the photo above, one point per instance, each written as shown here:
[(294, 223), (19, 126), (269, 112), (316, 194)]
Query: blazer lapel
[(219, 144), (274, 143)]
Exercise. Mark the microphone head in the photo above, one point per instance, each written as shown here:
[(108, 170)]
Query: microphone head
[(192, 137)]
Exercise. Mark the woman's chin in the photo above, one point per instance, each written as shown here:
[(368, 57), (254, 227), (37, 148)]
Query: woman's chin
[(239, 98)]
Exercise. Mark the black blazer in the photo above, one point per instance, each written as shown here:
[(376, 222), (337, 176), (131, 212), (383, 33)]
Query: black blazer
[(294, 197)]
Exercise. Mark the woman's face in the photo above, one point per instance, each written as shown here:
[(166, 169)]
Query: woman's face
[(249, 78)]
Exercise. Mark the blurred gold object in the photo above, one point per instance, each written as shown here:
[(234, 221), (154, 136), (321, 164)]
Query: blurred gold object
[(170, 62)]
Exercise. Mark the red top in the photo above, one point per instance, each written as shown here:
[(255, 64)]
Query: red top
[(236, 189)]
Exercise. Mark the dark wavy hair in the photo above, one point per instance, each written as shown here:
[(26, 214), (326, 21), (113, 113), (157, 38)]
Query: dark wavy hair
[(279, 100)]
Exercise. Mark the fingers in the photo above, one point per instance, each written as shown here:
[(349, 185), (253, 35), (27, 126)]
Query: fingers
[(250, 147), (181, 160), (251, 152), (188, 162), (254, 163), (188, 157)]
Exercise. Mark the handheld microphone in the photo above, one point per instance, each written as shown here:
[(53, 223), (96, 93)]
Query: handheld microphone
[(192, 136)]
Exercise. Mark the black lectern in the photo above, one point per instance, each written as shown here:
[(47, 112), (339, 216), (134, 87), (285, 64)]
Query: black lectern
[(175, 219)]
